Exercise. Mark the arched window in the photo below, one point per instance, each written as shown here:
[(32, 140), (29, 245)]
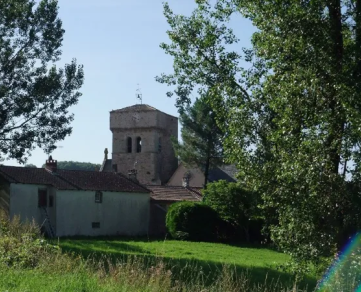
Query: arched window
[(129, 144), (159, 144), (139, 144)]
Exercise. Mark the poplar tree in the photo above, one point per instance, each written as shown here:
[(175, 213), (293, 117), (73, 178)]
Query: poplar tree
[(35, 95), (293, 119)]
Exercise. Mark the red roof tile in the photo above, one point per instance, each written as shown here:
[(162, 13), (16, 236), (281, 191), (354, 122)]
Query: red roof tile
[(28, 175), (100, 181), (71, 179), (137, 107), (174, 193)]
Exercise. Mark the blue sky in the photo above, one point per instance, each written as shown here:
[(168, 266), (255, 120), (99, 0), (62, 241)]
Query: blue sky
[(117, 41)]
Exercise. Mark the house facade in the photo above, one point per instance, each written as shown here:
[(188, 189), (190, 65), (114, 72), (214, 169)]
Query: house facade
[(75, 203)]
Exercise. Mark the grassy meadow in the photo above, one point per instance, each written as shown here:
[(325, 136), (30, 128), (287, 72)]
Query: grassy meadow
[(28, 262), (142, 265), (187, 260)]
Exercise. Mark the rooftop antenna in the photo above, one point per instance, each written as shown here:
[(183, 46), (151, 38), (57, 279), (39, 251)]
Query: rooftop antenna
[(138, 94)]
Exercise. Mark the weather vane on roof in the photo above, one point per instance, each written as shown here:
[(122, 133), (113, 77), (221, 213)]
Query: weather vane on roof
[(138, 95)]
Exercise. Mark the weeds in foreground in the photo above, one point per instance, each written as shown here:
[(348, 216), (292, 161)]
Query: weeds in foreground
[(24, 254)]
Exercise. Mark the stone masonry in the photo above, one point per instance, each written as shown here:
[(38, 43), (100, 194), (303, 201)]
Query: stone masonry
[(142, 140)]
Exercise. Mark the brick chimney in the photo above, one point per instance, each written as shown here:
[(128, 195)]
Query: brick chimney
[(51, 164), (132, 175)]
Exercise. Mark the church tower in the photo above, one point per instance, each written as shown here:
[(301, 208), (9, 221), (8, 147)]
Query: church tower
[(142, 140)]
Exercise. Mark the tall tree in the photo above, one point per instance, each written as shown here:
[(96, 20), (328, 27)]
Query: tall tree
[(35, 96), (201, 137), (293, 118)]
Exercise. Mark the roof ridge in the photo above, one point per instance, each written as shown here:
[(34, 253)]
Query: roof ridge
[(141, 107), (63, 178), (17, 166), (6, 175), (137, 183), (195, 192), (77, 170)]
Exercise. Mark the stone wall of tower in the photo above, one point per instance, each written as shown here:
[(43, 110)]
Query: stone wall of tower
[(169, 161), (156, 162)]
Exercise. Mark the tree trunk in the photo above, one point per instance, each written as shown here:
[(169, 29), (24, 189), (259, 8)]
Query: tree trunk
[(358, 39), (206, 171)]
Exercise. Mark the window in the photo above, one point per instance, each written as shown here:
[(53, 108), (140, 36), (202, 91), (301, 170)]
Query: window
[(139, 144), (95, 224), (129, 145), (42, 198), (98, 197), (159, 144), (51, 201)]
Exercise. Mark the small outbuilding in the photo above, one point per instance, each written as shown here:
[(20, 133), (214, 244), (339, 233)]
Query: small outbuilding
[(160, 200), (74, 202)]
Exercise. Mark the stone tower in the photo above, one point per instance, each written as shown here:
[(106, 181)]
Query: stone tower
[(142, 140)]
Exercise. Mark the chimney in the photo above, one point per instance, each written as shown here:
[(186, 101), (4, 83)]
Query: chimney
[(132, 175), (51, 164), (185, 180)]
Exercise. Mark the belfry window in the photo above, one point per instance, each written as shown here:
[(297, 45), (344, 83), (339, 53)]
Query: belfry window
[(139, 144), (159, 144), (129, 145)]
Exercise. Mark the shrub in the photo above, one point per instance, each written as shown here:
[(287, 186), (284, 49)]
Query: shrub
[(192, 221), (237, 207), (21, 244)]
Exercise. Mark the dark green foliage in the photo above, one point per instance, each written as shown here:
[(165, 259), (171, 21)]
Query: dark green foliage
[(237, 207), (75, 165), (21, 244), (35, 95), (192, 221), (201, 137), (292, 119), (30, 165)]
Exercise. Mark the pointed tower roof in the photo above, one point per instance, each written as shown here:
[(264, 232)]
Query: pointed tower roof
[(136, 107)]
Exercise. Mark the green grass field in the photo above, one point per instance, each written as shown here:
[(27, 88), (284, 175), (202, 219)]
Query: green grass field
[(186, 258)]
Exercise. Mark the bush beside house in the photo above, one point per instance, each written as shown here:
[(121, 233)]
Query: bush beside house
[(192, 221), (237, 208), (227, 213)]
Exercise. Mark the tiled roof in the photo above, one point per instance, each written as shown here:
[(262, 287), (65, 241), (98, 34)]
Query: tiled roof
[(225, 172), (106, 165), (137, 107), (71, 179), (100, 181), (29, 175), (171, 193)]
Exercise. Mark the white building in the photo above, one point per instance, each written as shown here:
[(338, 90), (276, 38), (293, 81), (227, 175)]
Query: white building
[(73, 203)]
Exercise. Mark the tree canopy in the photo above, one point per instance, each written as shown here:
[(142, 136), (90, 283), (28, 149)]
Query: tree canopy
[(292, 118), (75, 165), (201, 137), (35, 95), (30, 165)]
